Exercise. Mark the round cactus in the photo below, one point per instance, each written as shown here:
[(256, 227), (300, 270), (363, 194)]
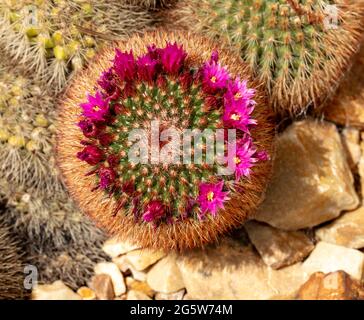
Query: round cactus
[(27, 133), (57, 239), (55, 37), (153, 88), (11, 270), (298, 48)]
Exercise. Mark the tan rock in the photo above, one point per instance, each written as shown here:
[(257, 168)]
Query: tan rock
[(333, 286), (351, 143), (139, 275), (136, 285), (116, 276), (143, 258), (165, 276), (327, 257), (347, 230), (136, 295), (114, 247), (278, 248), (347, 106), (312, 182), (103, 287), (86, 293), (122, 263), (55, 291), (234, 271), (170, 296)]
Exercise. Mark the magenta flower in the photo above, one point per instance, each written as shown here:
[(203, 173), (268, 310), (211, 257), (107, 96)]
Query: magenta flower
[(107, 177), (89, 128), (238, 92), (91, 154), (146, 68), (211, 197), (107, 82), (124, 65), (244, 158), (214, 77), (172, 58), (97, 108), (154, 52), (238, 115), (154, 211)]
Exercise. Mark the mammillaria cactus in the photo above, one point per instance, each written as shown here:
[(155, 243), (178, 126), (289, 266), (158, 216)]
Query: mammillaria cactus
[(11, 271), (118, 151), (27, 132), (55, 37), (299, 48), (55, 238)]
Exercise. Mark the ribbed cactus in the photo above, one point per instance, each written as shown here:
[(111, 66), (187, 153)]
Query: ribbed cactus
[(11, 268), (298, 48), (164, 81), (56, 37)]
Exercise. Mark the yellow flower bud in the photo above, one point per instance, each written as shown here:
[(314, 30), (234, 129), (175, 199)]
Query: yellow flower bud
[(41, 121), (17, 141)]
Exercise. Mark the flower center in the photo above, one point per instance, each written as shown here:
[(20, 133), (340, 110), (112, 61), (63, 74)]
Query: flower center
[(210, 196), (213, 79), (238, 95), (96, 108), (235, 116), (237, 160)]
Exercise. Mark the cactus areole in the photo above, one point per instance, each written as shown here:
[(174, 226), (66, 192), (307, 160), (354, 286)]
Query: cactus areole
[(166, 140)]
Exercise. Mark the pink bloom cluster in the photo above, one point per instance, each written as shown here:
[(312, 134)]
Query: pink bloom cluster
[(221, 92)]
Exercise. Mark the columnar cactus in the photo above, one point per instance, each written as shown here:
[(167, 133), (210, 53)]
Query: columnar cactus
[(55, 37), (298, 48), (11, 269), (169, 83)]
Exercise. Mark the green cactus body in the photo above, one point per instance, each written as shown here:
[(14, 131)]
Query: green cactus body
[(292, 45)]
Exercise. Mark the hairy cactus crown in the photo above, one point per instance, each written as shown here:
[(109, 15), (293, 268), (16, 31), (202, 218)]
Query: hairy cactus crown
[(160, 86), (164, 139)]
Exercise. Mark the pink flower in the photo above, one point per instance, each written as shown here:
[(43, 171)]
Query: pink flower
[(107, 82), (211, 197), (154, 52), (107, 177), (124, 65), (91, 154), (89, 128), (238, 92), (96, 108), (214, 77), (238, 115), (146, 67), (244, 158), (172, 58), (154, 211), (214, 56)]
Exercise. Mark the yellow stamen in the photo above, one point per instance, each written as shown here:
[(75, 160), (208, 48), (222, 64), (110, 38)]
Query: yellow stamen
[(213, 79), (96, 108), (238, 96), (237, 160), (210, 196), (235, 116)]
